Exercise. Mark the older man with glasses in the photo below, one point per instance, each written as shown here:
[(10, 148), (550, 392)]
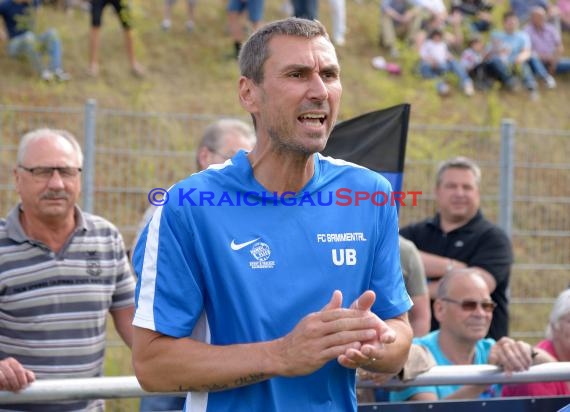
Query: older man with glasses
[(62, 271), (464, 309)]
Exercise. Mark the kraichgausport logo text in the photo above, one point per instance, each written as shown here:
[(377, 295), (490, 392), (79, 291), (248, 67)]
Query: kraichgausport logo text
[(339, 197)]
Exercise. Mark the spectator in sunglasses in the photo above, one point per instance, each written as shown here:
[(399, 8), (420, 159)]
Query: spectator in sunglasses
[(464, 309)]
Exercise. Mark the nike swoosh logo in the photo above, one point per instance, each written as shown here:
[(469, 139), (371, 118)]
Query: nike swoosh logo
[(238, 246)]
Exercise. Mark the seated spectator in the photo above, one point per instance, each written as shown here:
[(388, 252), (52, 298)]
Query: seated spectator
[(19, 20), (476, 13), (557, 344), (472, 59), (167, 20), (546, 43), (510, 53), (399, 18), (436, 60), (464, 310)]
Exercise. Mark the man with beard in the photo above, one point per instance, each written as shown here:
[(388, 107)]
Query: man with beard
[(252, 294)]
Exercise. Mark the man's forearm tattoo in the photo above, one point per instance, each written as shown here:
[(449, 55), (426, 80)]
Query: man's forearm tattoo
[(241, 381)]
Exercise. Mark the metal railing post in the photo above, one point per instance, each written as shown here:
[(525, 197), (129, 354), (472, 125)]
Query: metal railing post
[(89, 155), (506, 176)]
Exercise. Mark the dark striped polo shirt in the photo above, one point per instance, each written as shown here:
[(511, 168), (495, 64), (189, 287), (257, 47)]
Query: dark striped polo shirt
[(54, 306)]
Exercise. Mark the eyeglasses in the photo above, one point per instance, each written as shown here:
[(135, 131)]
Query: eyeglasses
[(471, 305), (42, 173)]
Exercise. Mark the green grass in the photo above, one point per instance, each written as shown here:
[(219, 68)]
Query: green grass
[(191, 73)]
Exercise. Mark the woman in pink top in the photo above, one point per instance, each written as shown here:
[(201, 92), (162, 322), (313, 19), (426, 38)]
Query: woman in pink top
[(557, 343)]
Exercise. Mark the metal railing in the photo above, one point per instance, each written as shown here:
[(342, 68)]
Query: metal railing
[(128, 386)]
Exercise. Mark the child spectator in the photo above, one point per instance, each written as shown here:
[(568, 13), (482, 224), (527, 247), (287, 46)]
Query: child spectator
[(472, 61), (436, 60)]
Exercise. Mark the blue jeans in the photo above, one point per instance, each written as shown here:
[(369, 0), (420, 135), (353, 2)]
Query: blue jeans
[(538, 67), (562, 66), (33, 47), (429, 72), (162, 403), (503, 72)]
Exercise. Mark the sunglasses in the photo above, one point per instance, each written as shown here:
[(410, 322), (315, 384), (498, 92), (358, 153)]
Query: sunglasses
[(471, 305)]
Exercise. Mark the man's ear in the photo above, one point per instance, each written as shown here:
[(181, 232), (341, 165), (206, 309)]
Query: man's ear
[(203, 157), (436, 190), (438, 310), (16, 179), (248, 94)]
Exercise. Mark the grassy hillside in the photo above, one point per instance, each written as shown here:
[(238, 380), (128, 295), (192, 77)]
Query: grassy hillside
[(191, 72)]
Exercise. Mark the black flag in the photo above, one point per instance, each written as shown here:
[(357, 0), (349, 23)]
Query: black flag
[(375, 140)]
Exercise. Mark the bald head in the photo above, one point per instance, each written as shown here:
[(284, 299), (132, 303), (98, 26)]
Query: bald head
[(29, 139), (463, 306), (222, 139), (460, 277)]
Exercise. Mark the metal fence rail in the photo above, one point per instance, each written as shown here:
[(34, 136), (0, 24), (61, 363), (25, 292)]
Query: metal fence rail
[(128, 386), (525, 186)]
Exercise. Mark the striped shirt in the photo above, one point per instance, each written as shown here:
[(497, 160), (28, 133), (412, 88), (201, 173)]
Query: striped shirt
[(54, 306)]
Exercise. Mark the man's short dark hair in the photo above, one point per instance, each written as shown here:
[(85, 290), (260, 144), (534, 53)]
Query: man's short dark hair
[(508, 14), (255, 52), (459, 162)]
